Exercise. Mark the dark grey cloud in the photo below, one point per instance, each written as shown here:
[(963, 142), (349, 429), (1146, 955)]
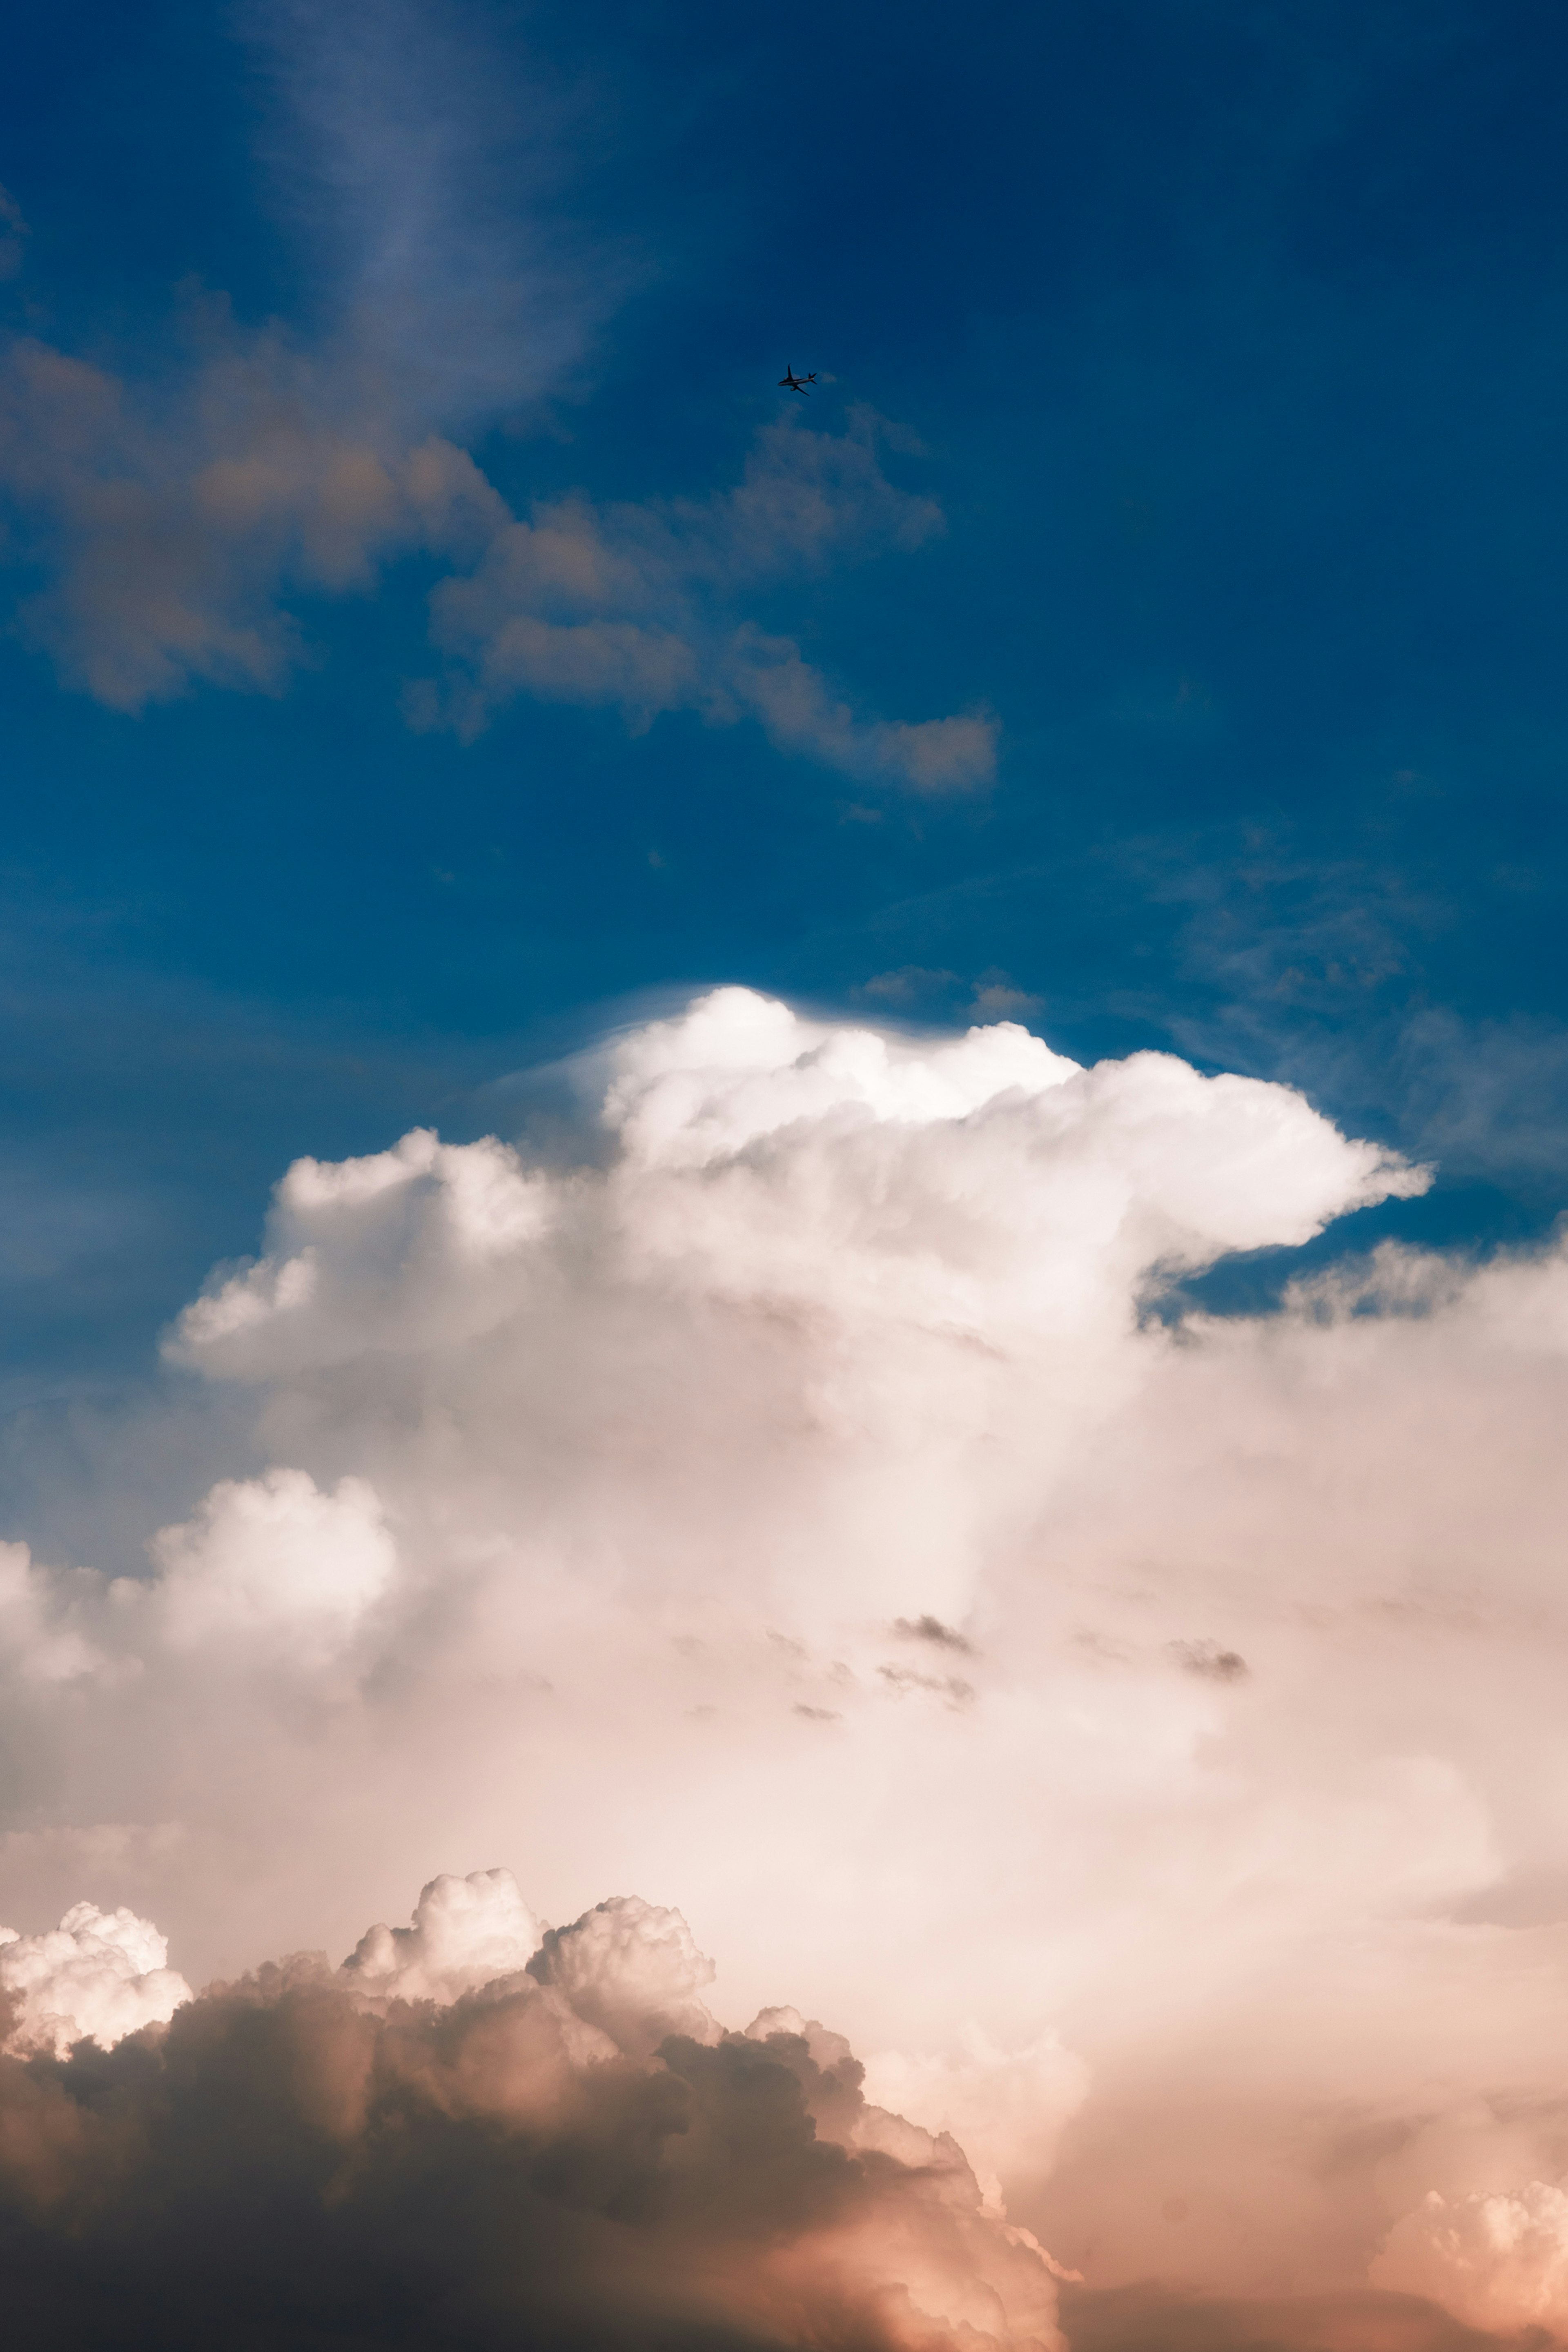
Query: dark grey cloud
[(295, 2162), (932, 1629), (1211, 1660)]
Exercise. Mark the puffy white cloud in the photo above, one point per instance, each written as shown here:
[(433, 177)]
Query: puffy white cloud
[(1140, 1729), (272, 1559), (855, 1260), (98, 1976), (41, 1631), (963, 1184), (465, 1932), (631, 1968), (438, 1237)]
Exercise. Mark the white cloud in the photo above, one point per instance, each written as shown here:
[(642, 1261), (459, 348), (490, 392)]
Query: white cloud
[(1007, 2108), (632, 1969), (1141, 1732), (42, 1634), (466, 1932), (98, 1976), (270, 1562)]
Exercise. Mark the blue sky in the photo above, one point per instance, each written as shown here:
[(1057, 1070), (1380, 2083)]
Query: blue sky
[(1192, 430)]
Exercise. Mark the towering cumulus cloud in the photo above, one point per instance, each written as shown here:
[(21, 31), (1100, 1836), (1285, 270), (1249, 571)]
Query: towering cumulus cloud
[(803, 1496)]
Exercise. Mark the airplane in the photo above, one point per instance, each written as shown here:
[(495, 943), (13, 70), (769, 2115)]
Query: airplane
[(797, 382)]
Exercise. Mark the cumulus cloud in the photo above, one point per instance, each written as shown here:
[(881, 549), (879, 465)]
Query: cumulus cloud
[(465, 1932), (466, 2159), (97, 1977), (42, 1619), (272, 1559), (1005, 2107), (1139, 1730), (631, 1968)]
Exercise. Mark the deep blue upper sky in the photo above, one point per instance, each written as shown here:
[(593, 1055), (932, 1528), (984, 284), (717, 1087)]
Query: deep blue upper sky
[(1232, 339)]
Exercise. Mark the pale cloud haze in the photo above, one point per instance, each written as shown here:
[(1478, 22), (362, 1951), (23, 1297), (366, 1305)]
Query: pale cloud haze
[(427, 167)]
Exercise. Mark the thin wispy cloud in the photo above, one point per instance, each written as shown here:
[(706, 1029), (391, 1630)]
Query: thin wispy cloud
[(171, 527), (640, 607), (174, 526), (429, 170), (1321, 967)]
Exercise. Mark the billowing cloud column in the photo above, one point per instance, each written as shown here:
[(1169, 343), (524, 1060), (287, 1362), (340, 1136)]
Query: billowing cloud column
[(800, 1492)]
